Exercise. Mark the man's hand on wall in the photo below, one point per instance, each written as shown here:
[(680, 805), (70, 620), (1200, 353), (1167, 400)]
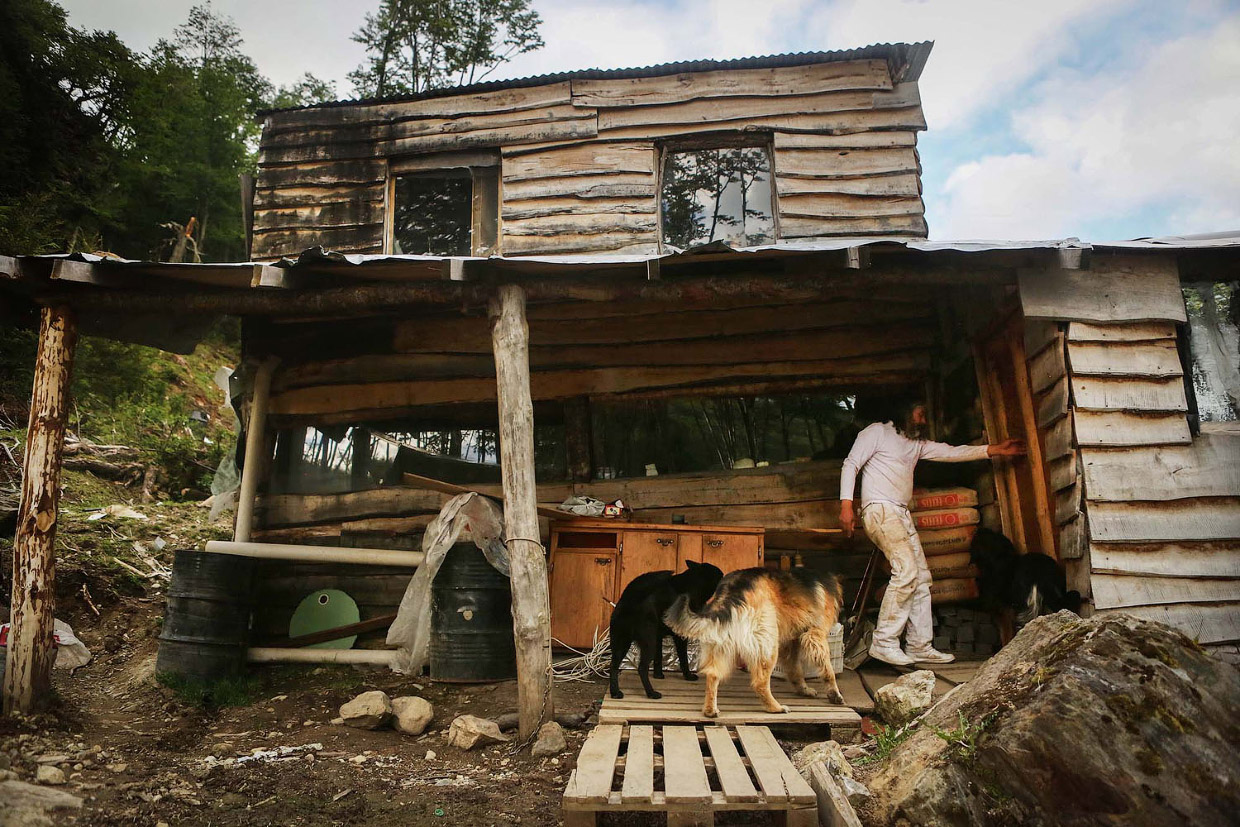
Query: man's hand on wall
[(1007, 448)]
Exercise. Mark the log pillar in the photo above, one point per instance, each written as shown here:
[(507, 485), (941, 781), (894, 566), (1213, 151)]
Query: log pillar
[(531, 610), (255, 451), (28, 670)]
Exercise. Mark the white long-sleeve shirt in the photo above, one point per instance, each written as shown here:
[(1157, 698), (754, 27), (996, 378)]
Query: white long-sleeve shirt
[(889, 458)]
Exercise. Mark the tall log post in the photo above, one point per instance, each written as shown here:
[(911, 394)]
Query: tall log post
[(531, 609), (28, 669)]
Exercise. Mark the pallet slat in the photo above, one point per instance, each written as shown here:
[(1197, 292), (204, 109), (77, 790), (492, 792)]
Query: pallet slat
[(639, 765), (684, 772), (591, 782), (779, 779), (733, 774)]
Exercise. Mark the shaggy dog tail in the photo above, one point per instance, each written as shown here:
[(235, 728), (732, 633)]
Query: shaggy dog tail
[(702, 627)]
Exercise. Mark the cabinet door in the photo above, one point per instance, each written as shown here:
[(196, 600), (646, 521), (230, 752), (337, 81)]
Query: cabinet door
[(732, 551), (644, 551), (582, 583), (689, 547)]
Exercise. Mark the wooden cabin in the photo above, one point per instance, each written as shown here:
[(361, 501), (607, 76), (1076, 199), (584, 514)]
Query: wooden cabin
[(569, 249)]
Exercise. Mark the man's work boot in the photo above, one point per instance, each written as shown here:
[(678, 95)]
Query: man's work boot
[(890, 653), (929, 655)]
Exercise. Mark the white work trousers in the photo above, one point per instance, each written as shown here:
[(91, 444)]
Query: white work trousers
[(907, 601)]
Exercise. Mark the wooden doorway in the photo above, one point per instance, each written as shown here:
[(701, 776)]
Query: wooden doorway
[(1025, 504)]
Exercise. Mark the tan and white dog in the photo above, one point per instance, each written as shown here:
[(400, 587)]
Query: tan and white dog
[(761, 617)]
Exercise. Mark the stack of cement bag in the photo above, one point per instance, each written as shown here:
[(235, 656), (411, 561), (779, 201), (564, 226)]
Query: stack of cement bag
[(946, 520)]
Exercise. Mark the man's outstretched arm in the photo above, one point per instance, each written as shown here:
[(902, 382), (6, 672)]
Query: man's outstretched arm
[(942, 452)]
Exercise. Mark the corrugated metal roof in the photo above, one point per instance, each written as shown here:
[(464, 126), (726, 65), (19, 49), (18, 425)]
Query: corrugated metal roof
[(905, 59)]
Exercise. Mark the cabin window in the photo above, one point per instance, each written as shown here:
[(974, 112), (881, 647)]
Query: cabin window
[(1213, 358), (446, 212), (717, 194)]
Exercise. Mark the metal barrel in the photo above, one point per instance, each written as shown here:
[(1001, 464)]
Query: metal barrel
[(471, 620), (206, 627)]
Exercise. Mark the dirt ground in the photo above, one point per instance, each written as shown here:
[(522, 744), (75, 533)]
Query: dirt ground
[(138, 754)]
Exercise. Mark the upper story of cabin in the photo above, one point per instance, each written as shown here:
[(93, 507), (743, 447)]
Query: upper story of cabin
[(747, 152)]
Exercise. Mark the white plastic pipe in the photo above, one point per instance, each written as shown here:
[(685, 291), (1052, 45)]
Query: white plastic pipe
[(274, 654), (317, 554), (255, 442)]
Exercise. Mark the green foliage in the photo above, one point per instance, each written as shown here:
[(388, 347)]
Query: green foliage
[(306, 91), (886, 739), (962, 741), (226, 692), (416, 45)]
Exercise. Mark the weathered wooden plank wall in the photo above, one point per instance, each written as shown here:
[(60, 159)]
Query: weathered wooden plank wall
[(580, 159), (1157, 533)]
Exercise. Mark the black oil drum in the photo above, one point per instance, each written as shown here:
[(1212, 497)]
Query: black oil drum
[(207, 622), (471, 620)]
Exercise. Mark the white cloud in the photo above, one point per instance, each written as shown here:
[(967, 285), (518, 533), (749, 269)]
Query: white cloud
[(1158, 139)]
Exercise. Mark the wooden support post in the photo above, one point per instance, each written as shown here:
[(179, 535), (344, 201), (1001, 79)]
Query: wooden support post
[(28, 669), (531, 611), (255, 447), (577, 440)]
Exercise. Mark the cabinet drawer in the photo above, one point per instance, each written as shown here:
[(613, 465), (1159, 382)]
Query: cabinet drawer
[(732, 551)]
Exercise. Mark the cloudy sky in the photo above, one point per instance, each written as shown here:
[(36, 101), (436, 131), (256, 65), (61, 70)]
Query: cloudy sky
[(1101, 119)]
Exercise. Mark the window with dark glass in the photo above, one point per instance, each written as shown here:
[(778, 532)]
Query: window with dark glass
[(717, 194), (448, 212)]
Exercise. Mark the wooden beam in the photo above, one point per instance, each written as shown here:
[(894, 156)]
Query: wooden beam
[(28, 672), (531, 608), (255, 442)]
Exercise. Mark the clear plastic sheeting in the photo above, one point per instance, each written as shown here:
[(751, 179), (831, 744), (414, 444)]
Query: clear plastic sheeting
[(471, 515)]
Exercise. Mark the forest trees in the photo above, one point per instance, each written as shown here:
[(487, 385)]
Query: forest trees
[(101, 146), (416, 45)]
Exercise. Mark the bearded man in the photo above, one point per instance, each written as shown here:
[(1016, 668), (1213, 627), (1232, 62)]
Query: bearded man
[(886, 454)]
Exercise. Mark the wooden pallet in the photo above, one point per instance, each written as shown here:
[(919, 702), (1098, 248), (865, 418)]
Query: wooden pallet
[(688, 772), (682, 704)]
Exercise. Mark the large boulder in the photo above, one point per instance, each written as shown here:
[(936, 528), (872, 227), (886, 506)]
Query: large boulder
[(551, 741), (29, 805), (905, 698), (827, 753), (1111, 720), (369, 710)]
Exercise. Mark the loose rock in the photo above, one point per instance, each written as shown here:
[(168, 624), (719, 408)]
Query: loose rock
[(48, 774), (369, 710), (28, 804), (828, 753), (467, 731), (905, 698), (413, 714), (550, 741)]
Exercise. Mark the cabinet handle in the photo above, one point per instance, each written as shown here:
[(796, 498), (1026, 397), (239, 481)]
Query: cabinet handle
[(603, 561), (714, 543), (664, 541)]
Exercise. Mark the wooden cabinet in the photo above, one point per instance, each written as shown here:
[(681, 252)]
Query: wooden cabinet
[(593, 560)]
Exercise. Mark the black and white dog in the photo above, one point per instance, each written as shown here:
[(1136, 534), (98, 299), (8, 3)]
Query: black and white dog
[(1029, 584)]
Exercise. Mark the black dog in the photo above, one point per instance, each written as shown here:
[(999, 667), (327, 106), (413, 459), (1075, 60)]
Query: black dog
[(1031, 584), (638, 618)]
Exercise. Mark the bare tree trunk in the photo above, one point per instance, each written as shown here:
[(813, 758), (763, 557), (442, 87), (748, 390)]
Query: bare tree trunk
[(28, 669), (531, 608)]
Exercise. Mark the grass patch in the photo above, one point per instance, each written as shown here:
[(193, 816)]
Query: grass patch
[(886, 739), (962, 741), (242, 690)]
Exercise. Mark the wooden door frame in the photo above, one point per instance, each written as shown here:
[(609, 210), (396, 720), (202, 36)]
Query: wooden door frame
[(1005, 338)]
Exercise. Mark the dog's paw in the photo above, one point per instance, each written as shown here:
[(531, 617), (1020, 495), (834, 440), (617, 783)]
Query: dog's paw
[(658, 676), (691, 677), (710, 713), (836, 698), (617, 694), (808, 691), (778, 709), (653, 694)]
